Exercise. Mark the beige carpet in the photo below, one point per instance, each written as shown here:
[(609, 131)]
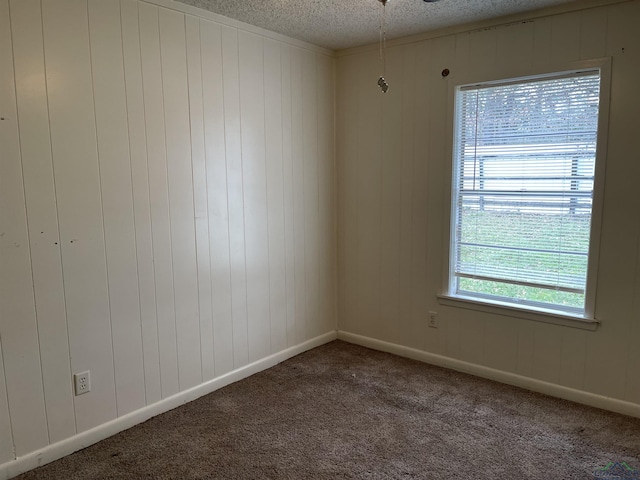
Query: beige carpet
[(343, 411)]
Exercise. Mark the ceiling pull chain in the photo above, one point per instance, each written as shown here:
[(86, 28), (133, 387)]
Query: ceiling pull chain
[(382, 83)]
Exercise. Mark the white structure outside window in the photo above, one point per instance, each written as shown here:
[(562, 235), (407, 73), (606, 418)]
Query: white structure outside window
[(522, 220)]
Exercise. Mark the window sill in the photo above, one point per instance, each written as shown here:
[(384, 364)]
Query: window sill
[(538, 316)]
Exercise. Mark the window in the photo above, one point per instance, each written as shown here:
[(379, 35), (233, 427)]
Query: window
[(523, 191)]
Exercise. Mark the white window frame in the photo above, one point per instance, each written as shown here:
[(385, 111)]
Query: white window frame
[(589, 319)]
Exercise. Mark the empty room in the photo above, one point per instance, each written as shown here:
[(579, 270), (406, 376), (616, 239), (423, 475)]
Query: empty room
[(381, 239)]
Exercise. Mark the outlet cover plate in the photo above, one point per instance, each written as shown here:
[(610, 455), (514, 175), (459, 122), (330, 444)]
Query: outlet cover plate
[(82, 382), (433, 319)]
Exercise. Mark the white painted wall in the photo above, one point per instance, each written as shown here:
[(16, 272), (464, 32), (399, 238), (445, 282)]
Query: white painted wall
[(167, 207), (393, 181)]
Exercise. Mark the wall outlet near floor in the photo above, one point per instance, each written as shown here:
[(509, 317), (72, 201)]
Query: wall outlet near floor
[(433, 319), (82, 382)]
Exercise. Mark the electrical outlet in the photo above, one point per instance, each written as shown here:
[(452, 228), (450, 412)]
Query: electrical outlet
[(433, 319), (82, 382)]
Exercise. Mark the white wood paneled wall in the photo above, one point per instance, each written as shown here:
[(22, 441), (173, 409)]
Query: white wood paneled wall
[(167, 207), (394, 176)]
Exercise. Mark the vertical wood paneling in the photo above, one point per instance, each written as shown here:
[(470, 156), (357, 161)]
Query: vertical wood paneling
[(574, 358), (287, 180), (526, 344), (273, 106), (390, 194), (326, 193), (482, 54), (232, 131), (471, 336), (614, 298), (426, 96), (298, 194), (200, 200), (565, 38), (342, 143), (402, 328), (77, 177), (44, 236), (141, 198), (227, 197), (116, 186), (514, 42), (181, 209), (460, 55), (501, 343), (547, 352), (593, 34), (440, 51), (347, 157), (176, 216), (453, 327), (216, 171), (369, 138), (632, 387), (22, 371), (159, 197), (310, 183), (6, 435), (252, 111), (541, 43)]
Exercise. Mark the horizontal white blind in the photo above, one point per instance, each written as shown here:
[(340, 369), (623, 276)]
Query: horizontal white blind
[(523, 189)]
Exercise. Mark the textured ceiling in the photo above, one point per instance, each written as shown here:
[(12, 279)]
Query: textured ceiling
[(338, 24)]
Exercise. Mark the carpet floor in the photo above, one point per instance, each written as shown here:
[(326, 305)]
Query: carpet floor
[(344, 411)]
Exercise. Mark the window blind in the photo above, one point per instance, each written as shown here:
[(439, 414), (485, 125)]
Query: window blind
[(523, 188)]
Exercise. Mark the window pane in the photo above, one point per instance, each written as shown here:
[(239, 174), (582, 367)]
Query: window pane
[(533, 296), (523, 190)]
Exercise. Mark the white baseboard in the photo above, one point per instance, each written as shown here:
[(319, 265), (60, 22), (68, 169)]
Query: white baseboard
[(82, 440), (578, 396)]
